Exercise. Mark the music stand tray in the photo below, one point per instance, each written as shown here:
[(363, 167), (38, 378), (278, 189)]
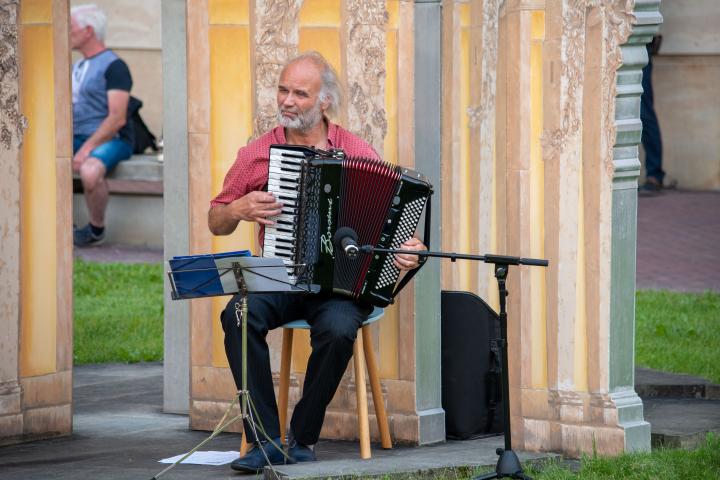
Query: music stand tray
[(215, 274), (262, 275)]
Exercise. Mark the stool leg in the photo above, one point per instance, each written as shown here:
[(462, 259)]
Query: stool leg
[(284, 387), (363, 423), (244, 443), (377, 395)]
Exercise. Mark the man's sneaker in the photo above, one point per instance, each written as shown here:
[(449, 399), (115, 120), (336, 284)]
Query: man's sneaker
[(299, 453), (254, 460), (84, 237)]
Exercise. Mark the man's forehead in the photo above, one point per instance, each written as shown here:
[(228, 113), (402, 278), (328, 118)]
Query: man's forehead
[(304, 71)]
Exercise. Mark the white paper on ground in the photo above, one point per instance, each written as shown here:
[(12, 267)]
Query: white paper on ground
[(205, 458)]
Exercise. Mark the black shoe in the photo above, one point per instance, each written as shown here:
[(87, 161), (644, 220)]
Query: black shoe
[(299, 453), (254, 460), (651, 187), (84, 237)]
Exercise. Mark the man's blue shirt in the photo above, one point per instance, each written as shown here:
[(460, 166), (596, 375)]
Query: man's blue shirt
[(91, 79)]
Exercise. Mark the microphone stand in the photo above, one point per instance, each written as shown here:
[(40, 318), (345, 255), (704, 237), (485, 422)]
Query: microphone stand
[(508, 464)]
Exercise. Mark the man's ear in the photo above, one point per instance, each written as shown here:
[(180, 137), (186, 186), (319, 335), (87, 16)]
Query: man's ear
[(324, 104)]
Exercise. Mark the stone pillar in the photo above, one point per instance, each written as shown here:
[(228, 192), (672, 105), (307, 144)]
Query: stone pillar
[(427, 61), (630, 57), (591, 132), (519, 149), (35, 222), (564, 77), (176, 365), (11, 135)]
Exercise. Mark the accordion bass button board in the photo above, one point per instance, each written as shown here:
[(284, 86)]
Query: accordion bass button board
[(323, 191)]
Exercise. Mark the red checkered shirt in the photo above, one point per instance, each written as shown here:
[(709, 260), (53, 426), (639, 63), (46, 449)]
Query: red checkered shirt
[(250, 170)]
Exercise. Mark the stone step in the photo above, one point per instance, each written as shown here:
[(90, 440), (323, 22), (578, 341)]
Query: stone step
[(681, 422), (453, 459), (656, 384)]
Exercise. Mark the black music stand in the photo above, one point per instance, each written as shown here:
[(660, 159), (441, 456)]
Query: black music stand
[(508, 464), (231, 274)]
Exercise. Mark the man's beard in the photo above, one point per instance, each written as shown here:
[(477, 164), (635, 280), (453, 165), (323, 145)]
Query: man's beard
[(303, 121)]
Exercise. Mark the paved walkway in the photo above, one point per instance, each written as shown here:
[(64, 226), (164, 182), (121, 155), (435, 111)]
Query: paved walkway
[(679, 241), (119, 253)]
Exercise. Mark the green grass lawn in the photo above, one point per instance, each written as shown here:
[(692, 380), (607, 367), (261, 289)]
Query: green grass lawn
[(661, 464), (118, 313), (679, 332)]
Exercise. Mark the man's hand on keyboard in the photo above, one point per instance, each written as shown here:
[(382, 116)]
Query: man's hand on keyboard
[(257, 207)]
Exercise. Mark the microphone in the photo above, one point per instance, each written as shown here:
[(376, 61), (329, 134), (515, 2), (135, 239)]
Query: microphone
[(346, 240)]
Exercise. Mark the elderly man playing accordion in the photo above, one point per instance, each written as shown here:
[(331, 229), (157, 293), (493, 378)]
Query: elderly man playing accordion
[(308, 90)]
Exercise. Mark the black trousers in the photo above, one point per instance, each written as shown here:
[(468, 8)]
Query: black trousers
[(651, 138), (334, 322)]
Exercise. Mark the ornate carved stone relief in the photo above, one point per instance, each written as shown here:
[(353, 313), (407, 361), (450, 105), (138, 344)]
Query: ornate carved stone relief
[(276, 40), (12, 123), (617, 18), (572, 56), (618, 22), (366, 70)]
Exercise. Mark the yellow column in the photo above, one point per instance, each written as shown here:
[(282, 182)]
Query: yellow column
[(38, 191)]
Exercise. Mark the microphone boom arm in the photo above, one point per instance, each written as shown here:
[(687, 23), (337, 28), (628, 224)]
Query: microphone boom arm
[(487, 258)]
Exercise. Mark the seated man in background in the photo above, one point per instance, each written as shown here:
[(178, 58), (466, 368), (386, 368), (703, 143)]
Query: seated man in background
[(102, 137)]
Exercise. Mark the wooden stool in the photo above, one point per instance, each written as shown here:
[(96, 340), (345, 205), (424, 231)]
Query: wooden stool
[(363, 353)]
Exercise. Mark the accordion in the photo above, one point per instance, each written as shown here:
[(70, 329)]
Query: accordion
[(325, 191)]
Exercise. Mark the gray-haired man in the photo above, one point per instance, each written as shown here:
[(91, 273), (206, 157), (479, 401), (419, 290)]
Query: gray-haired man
[(101, 84)]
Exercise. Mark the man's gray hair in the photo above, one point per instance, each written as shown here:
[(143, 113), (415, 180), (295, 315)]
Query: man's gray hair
[(330, 91), (90, 15)]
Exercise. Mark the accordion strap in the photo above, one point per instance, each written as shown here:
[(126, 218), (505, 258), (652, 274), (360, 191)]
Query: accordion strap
[(426, 240)]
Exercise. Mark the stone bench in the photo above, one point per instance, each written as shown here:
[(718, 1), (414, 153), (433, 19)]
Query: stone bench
[(140, 174), (134, 215)]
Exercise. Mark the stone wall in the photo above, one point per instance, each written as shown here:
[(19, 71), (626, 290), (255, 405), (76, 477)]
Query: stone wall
[(11, 133), (686, 83)]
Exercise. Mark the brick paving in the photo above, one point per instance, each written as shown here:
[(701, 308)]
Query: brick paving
[(679, 241)]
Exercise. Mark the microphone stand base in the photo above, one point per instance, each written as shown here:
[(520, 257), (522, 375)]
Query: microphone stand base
[(508, 466)]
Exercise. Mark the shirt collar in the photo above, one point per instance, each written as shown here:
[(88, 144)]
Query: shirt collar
[(279, 134), (332, 135)]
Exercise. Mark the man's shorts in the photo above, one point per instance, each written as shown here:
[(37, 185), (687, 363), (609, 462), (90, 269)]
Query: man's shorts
[(109, 153)]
